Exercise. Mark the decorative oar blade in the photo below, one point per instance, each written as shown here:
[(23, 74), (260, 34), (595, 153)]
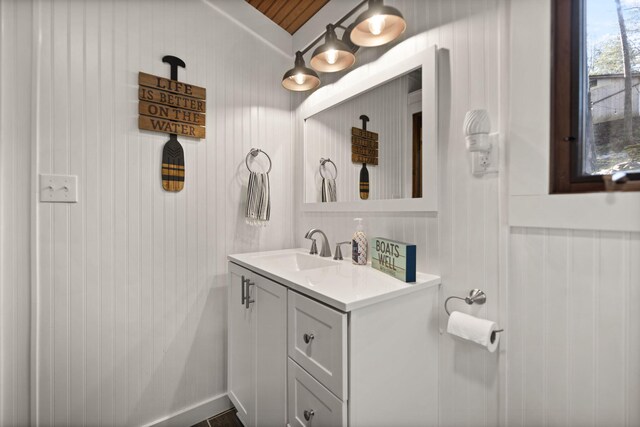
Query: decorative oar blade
[(173, 165), (364, 182)]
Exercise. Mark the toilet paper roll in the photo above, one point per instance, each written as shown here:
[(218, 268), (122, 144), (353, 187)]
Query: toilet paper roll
[(473, 329)]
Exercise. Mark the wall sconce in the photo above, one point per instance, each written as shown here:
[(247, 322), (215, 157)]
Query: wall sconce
[(300, 77), (377, 26), (334, 55), (480, 142)]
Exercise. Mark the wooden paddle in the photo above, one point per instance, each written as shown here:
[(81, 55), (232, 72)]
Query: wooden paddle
[(172, 153), (364, 173)]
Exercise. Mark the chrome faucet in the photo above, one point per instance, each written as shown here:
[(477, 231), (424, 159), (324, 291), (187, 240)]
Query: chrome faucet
[(325, 250)]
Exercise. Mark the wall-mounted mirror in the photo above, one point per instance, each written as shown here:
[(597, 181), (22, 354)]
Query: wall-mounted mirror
[(399, 99)]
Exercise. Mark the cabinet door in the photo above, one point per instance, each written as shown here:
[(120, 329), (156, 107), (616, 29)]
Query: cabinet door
[(241, 371), (257, 340), (271, 352)]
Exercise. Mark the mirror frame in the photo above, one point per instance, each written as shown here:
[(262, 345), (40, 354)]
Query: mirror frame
[(364, 79)]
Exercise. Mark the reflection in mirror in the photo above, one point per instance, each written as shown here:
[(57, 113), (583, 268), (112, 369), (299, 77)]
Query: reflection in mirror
[(394, 110)]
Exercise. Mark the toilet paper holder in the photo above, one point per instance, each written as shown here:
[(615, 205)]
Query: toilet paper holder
[(476, 296)]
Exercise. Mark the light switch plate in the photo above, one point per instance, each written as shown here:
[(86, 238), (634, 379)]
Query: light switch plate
[(59, 188)]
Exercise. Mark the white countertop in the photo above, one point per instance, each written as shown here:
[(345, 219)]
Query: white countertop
[(340, 284)]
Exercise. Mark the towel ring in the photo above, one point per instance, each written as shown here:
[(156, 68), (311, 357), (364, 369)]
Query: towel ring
[(323, 161), (254, 152)]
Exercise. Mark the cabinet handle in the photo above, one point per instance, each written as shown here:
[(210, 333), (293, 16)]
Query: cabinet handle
[(307, 339), (244, 282), (248, 299), (308, 414)]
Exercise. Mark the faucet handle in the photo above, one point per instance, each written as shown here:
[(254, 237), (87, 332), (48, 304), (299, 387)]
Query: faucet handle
[(314, 247), (338, 255)]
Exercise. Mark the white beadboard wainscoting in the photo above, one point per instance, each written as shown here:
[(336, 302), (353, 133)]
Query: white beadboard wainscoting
[(461, 242), (16, 178), (131, 312), (574, 328)]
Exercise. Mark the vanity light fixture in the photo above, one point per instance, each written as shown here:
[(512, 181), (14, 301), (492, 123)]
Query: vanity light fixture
[(300, 77), (378, 25), (334, 55)]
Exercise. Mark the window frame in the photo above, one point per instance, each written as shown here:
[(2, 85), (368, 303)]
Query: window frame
[(566, 60)]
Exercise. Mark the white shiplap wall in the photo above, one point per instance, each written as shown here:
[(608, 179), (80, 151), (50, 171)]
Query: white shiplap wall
[(574, 347), (131, 293), (15, 211), (461, 242), (573, 328)]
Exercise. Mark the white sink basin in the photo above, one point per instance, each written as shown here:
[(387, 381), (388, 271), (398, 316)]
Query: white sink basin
[(339, 284), (296, 261)]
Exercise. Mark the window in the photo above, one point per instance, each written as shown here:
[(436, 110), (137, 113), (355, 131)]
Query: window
[(595, 99)]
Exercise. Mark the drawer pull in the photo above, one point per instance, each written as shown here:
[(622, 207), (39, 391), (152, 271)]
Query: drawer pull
[(307, 339), (308, 414)]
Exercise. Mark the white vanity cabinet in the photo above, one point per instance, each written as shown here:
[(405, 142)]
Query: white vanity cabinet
[(257, 365), (343, 345)]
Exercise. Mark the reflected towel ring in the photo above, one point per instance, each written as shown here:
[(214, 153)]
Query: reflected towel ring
[(323, 161), (254, 152)]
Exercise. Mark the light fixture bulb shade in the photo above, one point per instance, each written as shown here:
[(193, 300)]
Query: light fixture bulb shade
[(300, 78), (333, 55), (377, 25)]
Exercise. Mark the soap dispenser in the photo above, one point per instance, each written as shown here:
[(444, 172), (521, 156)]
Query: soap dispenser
[(359, 244)]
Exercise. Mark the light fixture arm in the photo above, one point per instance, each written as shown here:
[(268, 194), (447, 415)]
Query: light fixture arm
[(336, 25)]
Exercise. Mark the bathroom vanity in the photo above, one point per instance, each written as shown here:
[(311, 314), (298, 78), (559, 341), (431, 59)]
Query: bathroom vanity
[(313, 341)]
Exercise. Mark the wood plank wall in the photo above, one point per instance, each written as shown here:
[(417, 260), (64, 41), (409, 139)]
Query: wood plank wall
[(16, 179), (574, 346), (132, 280), (461, 242)]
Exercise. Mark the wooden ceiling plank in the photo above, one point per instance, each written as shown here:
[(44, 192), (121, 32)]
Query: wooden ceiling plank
[(282, 14), (303, 5), (290, 15), (304, 17), (275, 8), (265, 5)]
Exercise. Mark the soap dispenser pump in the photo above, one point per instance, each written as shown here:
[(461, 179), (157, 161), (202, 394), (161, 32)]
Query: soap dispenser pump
[(359, 244)]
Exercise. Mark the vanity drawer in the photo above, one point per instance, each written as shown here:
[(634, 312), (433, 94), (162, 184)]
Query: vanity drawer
[(309, 399), (317, 341)]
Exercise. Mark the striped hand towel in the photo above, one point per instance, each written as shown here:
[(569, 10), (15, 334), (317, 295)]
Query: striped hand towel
[(329, 190), (258, 199)]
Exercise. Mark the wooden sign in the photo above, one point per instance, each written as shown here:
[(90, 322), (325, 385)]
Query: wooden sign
[(370, 152), (357, 158), (369, 143), (364, 133), (364, 144), (170, 113), (172, 100), (394, 258), (174, 86), (169, 106), (166, 126)]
